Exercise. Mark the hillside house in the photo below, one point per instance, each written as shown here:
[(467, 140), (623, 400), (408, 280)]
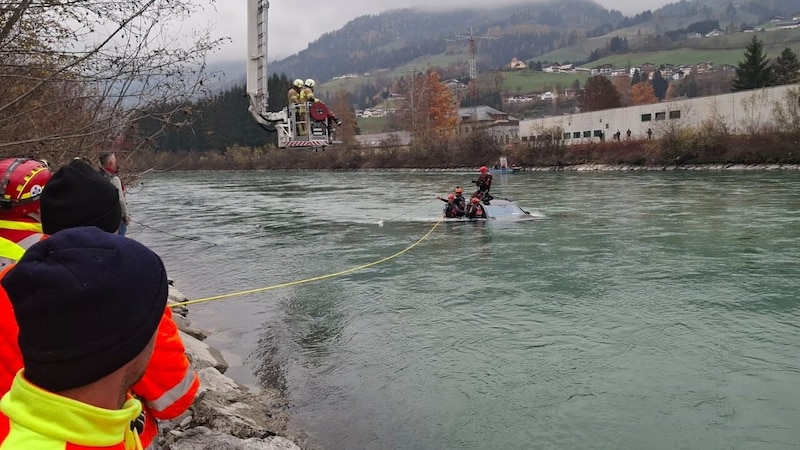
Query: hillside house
[(455, 85), (566, 68), (520, 99), (517, 64), (603, 69), (647, 68), (787, 25), (715, 32), (694, 36), (551, 69), (547, 96), (704, 67), (499, 125)]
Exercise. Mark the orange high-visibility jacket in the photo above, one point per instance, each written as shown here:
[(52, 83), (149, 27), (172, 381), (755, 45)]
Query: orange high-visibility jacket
[(167, 389)]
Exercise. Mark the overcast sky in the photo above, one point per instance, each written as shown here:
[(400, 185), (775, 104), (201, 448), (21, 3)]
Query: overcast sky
[(294, 24)]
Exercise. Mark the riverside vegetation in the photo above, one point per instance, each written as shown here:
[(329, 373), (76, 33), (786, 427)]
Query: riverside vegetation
[(711, 142)]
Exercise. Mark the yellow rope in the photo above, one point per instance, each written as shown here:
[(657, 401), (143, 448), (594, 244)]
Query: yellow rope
[(309, 280)]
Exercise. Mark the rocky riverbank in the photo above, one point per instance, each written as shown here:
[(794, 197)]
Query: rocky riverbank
[(225, 415)]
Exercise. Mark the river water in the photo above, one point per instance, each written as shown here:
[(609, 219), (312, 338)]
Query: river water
[(652, 310)]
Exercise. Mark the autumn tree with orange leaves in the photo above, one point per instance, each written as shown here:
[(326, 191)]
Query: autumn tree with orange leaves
[(429, 111), (643, 94), (623, 85)]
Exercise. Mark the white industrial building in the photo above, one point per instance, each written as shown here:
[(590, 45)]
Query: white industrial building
[(741, 111)]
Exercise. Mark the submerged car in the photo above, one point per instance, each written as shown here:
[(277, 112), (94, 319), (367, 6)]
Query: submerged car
[(505, 209)]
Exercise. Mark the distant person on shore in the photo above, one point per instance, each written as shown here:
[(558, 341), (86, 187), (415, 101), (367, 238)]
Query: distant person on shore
[(77, 196), (483, 183), (109, 169), (88, 304), (451, 209), (475, 210), (649, 133), (20, 217), (628, 134)]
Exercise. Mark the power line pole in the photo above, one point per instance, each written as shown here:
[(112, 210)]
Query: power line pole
[(473, 67)]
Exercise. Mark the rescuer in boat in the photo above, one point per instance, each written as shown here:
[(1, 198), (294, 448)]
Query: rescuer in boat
[(295, 98), (475, 210), (484, 183), (307, 95), (451, 209)]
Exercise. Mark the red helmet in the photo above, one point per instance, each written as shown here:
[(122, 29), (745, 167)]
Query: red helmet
[(451, 197), (484, 169), (459, 190), (475, 200), (21, 184)]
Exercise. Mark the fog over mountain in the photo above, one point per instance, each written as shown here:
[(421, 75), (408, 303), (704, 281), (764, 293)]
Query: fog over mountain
[(294, 24)]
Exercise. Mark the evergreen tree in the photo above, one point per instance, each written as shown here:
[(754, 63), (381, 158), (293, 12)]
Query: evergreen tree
[(786, 68), (660, 85), (637, 77), (754, 71)]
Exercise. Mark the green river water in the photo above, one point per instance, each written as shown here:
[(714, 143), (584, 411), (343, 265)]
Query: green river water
[(639, 310)]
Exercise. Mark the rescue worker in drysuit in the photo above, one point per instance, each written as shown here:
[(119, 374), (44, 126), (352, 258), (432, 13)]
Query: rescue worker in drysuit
[(451, 209), (460, 200), (475, 210), (484, 183)]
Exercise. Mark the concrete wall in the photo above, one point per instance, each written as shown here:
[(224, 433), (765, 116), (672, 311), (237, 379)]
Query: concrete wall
[(741, 111)]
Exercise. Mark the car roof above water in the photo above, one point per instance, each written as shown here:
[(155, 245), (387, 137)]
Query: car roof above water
[(503, 208)]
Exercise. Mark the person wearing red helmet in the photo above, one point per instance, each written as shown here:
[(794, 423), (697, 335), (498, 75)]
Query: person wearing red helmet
[(460, 200), (451, 209), (484, 183), (475, 209), (21, 185)]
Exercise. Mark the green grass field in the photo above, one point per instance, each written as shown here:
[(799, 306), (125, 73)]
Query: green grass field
[(372, 125), (689, 56), (528, 81), (692, 52)]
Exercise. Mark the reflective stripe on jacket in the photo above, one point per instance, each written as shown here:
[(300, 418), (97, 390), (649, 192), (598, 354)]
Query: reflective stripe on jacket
[(169, 384), (15, 238), (33, 418)]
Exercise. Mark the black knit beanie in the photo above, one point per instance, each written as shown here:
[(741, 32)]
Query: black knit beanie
[(76, 196), (87, 302)]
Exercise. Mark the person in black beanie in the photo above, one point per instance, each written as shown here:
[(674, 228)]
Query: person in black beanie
[(77, 196), (88, 304), (80, 196)]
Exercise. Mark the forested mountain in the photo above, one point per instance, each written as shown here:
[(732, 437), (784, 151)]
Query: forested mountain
[(525, 31), (397, 37)]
